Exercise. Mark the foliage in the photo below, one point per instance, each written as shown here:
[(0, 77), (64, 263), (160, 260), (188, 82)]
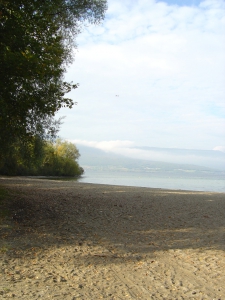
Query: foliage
[(60, 159), (43, 158), (36, 42), (23, 155)]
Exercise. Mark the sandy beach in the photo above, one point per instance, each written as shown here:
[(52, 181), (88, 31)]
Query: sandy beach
[(69, 240)]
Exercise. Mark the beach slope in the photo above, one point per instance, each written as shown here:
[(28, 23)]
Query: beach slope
[(71, 240)]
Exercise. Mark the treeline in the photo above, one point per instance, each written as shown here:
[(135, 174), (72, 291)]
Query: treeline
[(37, 39), (43, 158)]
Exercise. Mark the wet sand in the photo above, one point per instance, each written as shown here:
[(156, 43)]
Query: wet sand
[(70, 240)]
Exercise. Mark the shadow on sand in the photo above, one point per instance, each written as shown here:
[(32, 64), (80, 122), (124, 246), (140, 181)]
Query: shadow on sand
[(126, 221)]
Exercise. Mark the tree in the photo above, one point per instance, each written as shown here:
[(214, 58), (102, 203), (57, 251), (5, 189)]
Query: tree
[(60, 159), (36, 43), (39, 157), (66, 149), (24, 156)]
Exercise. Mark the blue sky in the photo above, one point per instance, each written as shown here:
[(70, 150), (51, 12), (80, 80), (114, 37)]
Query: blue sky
[(166, 61), (182, 2)]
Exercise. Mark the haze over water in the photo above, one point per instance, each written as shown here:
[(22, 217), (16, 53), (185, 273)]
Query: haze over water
[(107, 167)]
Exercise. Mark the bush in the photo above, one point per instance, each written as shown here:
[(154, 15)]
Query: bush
[(42, 158)]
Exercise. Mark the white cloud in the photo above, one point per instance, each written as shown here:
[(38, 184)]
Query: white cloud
[(166, 62), (179, 156), (219, 148), (104, 145)]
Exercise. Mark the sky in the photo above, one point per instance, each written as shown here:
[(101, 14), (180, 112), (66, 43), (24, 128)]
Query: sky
[(151, 74)]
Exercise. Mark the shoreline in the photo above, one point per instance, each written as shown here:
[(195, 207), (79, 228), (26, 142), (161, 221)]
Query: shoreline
[(77, 179), (91, 241)]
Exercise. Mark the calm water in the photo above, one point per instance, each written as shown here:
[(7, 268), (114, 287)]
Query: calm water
[(204, 181)]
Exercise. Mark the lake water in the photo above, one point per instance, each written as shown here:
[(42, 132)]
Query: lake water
[(200, 181)]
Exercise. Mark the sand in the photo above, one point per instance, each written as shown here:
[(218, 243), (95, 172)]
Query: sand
[(71, 240)]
